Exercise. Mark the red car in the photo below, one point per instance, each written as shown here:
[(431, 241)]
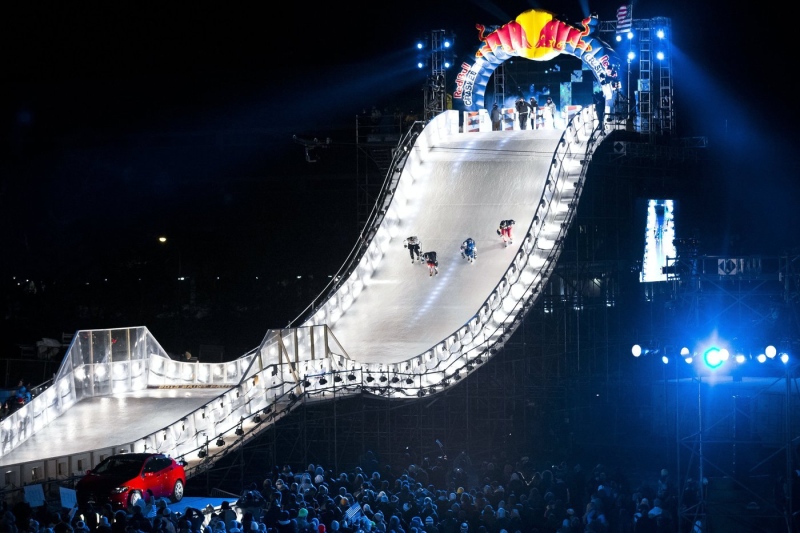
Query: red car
[(124, 479)]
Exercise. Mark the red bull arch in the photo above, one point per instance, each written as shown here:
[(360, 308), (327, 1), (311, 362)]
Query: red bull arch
[(537, 35)]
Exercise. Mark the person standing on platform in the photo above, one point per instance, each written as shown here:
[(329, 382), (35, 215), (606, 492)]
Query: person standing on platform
[(505, 231), (600, 110), (523, 110), (549, 113), (534, 104), (496, 116), (413, 244), (433, 264)]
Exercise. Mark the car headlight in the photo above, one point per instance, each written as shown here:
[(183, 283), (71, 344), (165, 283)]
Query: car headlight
[(119, 490)]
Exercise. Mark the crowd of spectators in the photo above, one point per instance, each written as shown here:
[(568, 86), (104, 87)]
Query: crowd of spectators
[(490, 498)]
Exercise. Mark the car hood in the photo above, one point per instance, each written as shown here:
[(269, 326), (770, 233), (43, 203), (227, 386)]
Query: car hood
[(93, 482)]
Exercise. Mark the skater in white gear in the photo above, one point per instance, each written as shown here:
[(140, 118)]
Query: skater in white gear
[(469, 250), (413, 244)]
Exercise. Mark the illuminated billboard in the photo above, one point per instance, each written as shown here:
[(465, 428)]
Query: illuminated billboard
[(659, 240)]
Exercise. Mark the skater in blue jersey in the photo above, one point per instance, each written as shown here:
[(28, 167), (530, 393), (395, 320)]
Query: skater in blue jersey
[(468, 250)]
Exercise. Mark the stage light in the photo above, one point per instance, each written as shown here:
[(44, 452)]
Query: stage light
[(257, 419), (636, 350), (395, 379), (420, 64), (447, 44), (660, 55), (457, 376), (370, 379), (770, 351), (421, 393), (239, 431), (665, 359), (784, 358), (383, 379), (631, 56), (409, 381), (202, 453), (660, 33), (685, 351), (337, 378), (323, 381), (420, 45), (712, 357), (761, 358), (351, 377), (619, 38), (629, 35), (740, 358), (220, 441), (292, 397), (446, 64)]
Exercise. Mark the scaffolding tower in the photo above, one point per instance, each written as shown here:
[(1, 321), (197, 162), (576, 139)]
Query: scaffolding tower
[(436, 87), (647, 76)]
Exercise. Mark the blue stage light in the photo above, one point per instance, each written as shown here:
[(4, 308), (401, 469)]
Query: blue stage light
[(712, 357)]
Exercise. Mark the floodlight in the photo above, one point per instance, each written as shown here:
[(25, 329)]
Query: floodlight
[(713, 357)]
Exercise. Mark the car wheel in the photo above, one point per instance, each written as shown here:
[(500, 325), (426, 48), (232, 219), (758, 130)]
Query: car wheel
[(177, 491), (133, 498)]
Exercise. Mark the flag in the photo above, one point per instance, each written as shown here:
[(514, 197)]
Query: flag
[(624, 18)]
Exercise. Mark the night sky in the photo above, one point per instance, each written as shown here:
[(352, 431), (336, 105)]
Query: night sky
[(123, 122)]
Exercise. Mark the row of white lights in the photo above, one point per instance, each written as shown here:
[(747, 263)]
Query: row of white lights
[(720, 355)]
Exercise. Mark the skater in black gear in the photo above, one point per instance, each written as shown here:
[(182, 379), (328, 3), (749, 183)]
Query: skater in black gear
[(413, 244), (505, 231), (433, 264)]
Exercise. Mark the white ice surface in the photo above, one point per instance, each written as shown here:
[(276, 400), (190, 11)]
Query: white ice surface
[(465, 186)]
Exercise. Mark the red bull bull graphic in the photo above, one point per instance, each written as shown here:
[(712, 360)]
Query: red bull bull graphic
[(535, 35)]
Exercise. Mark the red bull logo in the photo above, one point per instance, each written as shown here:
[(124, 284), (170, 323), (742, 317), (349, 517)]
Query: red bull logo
[(549, 36), (538, 35)]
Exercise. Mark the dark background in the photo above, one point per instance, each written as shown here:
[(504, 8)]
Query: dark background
[(121, 123)]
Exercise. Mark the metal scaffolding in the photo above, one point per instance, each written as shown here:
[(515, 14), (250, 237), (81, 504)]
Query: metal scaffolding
[(648, 82)]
